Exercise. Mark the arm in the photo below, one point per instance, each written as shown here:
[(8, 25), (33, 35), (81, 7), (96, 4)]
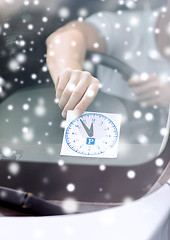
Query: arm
[(66, 50), (150, 90)]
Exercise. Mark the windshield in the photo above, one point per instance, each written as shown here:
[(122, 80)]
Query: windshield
[(84, 99), (31, 124)]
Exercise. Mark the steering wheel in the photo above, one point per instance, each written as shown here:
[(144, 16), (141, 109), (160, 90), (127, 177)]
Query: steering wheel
[(137, 127), (111, 62)]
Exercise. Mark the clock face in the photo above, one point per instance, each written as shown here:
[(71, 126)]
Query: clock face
[(91, 134)]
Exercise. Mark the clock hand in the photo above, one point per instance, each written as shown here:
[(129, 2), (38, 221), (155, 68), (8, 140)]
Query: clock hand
[(88, 131), (91, 130)]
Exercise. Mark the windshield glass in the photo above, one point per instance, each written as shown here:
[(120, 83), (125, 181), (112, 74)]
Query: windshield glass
[(31, 122)]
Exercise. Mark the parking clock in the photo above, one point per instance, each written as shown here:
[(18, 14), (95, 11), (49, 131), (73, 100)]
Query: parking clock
[(91, 134)]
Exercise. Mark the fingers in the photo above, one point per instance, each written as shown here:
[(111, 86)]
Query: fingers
[(151, 102), (77, 84), (76, 96), (162, 99), (64, 78), (138, 79), (146, 88), (87, 98), (76, 90), (148, 95), (150, 86)]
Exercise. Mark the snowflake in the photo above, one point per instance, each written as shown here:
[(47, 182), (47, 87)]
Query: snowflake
[(25, 107), (40, 111), (60, 162), (64, 12), (157, 30), (102, 167), (9, 1), (36, 2), (50, 150), (73, 43), (83, 12), (13, 65), (69, 205), (142, 139), (44, 68), (45, 19), (70, 187), (164, 9), (127, 200), (21, 58), (159, 162), (88, 66), (128, 56), (80, 19), (22, 43), (28, 134), (164, 132), (33, 76), (45, 180), (121, 2), (117, 25), (10, 107), (26, 3), (134, 21), (14, 168), (131, 174), (130, 4), (90, 93), (25, 130), (144, 76), (138, 53), (30, 27), (153, 54), (7, 152), (119, 12), (149, 117), (137, 114), (6, 25)]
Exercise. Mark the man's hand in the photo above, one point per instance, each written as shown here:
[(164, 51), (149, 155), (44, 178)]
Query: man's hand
[(66, 51), (75, 90), (150, 91)]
